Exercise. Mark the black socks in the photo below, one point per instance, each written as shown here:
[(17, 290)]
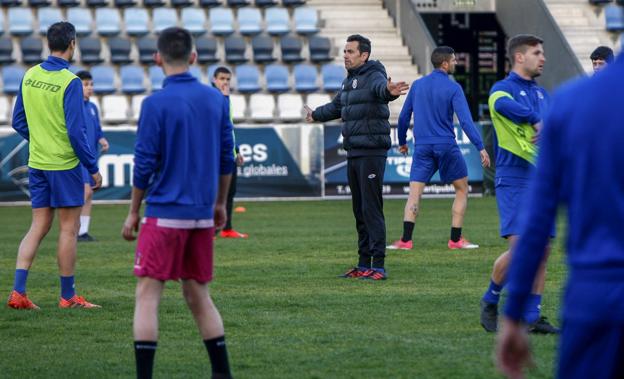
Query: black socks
[(455, 234), (144, 352), (218, 357), (408, 229)]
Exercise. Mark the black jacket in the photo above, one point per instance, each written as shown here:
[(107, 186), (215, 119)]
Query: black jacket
[(362, 103)]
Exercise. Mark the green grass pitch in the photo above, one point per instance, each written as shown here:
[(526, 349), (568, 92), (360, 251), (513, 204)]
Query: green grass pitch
[(286, 313)]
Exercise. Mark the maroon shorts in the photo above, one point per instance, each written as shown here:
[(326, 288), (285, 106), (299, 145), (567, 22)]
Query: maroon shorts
[(173, 253)]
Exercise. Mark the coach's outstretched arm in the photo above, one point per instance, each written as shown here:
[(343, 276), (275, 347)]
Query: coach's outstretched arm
[(327, 112), (385, 89)]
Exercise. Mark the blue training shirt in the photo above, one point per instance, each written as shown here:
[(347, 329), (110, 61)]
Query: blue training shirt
[(94, 129), (184, 142), (74, 116), (580, 165), (529, 103), (433, 99)]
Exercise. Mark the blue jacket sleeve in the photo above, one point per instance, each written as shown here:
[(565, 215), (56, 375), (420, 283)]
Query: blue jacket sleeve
[(405, 116), (147, 146), (515, 111), (538, 218), (329, 111), (460, 107), (19, 117), (227, 141), (73, 105)]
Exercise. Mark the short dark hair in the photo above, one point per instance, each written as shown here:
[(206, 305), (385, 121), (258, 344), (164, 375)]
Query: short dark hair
[(84, 75), (221, 70), (364, 44), (60, 35), (175, 45), (440, 55), (603, 53), (521, 43)]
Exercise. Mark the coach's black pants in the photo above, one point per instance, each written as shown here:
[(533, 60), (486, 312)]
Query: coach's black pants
[(366, 180)]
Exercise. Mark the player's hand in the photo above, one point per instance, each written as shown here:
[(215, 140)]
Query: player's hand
[(225, 88), (240, 160), (403, 149), (308, 111), (485, 158), (130, 226), (104, 146), (97, 178), (538, 129), (512, 349), (220, 216), (397, 89)]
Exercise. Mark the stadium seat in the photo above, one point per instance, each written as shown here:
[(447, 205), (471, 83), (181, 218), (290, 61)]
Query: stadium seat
[(137, 101), (90, 49), (237, 3), (164, 18), (132, 78), (333, 75), (10, 3), (97, 3), (291, 49), (68, 3), (293, 3), (316, 100), (181, 3), (277, 21), (196, 72), (194, 20), (238, 105), (221, 21), (598, 2), (249, 21), (75, 68), (266, 3), (1, 24), (137, 21), (262, 47), (125, 3), (20, 21), (82, 20), (289, 107), (6, 51), (154, 3), (306, 20), (147, 47), (614, 16), (12, 77), (119, 50), (277, 78), (235, 50), (206, 50), (247, 78), (38, 3), (108, 21), (5, 110), (103, 80), (114, 109), (209, 3), (47, 17), (156, 77), (262, 107), (305, 78), (31, 47), (320, 49)]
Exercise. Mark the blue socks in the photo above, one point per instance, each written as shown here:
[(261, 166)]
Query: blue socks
[(20, 280), (492, 295), (532, 311), (67, 287)]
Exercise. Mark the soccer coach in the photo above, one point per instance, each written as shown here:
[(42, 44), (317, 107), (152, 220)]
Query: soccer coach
[(362, 103)]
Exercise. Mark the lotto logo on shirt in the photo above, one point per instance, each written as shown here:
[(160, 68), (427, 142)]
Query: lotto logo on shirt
[(42, 85)]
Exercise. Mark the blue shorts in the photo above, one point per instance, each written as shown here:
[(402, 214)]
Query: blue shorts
[(86, 177), (56, 189), (444, 157)]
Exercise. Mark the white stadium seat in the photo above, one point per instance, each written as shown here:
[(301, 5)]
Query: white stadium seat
[(290, 107), (315, 100), (262, 107), (137, 100), (114, 109), (238, 104)]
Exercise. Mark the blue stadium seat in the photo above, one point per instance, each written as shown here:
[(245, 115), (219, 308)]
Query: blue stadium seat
[(125, 3), (293, 3), (39, 3), (119, 50), (1, 24), (305, 78), (90, 49), (47, 17), (306, 20), (132, 80), (277, 78), (6, 51), (277, 21), (266, 3), (103, 80), (206, 50), (247, 78), (237, 3), (249, 21), (82, 20), (156, 77), (137, 21), (181, 3), (262, 47), (75, 68), (68, 3), (108, 21), (209, 3), (31, 47), (221, 21), (10, 3), (235, 50), (291, 49), (164, 18), (147, 47), (598, 2), (320, 49), (20, 21), (194, 20), (97, 3), (12, 78), (614, 16), (333, 75), (154, 3), (196, 72)]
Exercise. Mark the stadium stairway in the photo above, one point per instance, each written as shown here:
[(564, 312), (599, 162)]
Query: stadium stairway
[(583, 26)]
